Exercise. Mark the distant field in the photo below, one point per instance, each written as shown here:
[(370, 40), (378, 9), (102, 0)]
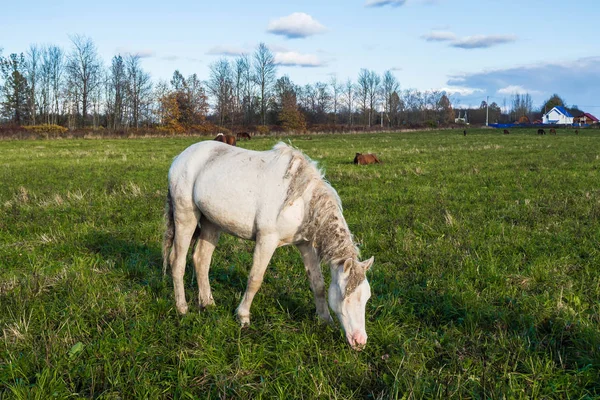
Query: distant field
[(486, 281)]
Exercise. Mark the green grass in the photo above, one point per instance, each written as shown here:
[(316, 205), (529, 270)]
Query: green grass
[(486, 281)]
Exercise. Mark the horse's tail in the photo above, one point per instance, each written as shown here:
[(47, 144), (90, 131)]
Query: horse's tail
[(169, 232)]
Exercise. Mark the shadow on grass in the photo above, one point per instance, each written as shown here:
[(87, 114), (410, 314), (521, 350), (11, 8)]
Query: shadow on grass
[(143, 265)]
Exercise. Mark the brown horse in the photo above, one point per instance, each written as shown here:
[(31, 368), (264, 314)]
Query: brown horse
[(506, 132), (228, 139), (365, 159), (553, 131), (243, 135)]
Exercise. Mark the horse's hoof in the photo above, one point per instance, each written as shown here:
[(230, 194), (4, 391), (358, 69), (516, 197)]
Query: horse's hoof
[(183, 309), (326, 319), (207, 304), (244, 321)]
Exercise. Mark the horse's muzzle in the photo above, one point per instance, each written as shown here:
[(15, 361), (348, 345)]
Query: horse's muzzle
[(357, 340)]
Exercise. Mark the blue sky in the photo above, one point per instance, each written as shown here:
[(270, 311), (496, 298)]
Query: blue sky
[(471, 48)]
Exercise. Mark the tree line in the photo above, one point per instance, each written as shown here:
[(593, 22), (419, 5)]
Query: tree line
[(74, 88)]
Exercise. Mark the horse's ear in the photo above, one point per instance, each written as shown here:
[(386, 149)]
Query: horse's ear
[(368, 264), (347, 264)]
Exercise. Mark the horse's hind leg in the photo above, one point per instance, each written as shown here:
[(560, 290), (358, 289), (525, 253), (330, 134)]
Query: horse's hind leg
[(209, 236), (186, 222), (315, 277)]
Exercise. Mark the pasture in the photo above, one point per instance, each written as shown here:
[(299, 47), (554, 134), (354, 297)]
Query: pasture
[(486, 282)]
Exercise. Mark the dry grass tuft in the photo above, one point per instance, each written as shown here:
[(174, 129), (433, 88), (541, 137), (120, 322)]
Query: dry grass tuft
[(449, 219), (23, 195)]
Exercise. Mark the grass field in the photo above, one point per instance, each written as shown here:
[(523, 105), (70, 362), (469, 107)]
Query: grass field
[(486, 281)]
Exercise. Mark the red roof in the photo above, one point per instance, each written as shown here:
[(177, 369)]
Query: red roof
[(589, 116)]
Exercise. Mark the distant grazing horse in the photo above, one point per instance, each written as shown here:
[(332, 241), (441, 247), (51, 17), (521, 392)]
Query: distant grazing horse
[(465, 133), (577, 131), (243, 135), (552, 131), (365, 159), (275, 198), (506, 132), (541, 131), (228, 139)]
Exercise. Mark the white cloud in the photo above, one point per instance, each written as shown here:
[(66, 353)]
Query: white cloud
[(178, 58), (381, 3), (398, 3), (462, 91), (222, 50), (296, 25), (482, 41), (468, 42), (516, 89), (144, 53), (577, 80), (292, 58), (439, 36)]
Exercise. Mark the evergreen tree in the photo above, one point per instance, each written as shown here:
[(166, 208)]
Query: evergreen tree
[(14, 93)]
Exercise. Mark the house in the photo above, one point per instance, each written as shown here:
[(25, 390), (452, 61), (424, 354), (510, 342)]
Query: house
[(558, 116), (462, 120), (585, 119)]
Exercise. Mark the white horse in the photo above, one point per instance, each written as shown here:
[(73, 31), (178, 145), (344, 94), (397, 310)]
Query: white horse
[(276, 198)]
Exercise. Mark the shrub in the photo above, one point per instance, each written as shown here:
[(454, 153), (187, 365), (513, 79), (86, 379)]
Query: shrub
[(47, 128), (262, 130)]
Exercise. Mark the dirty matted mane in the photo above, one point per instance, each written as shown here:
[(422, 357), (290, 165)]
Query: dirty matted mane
[(324, 224)]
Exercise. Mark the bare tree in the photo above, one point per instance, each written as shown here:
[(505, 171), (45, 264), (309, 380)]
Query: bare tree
[(139, 88), (32, 65), (362, 92), (372, 93), (336, 90), (396, 108), (240, 67), (244, 65), (323, 104), (198, 101), (84, 69), (264, 75), (54, 59), (521, 105), (116, 93), (390, 86), (221, 87), (349, 90)]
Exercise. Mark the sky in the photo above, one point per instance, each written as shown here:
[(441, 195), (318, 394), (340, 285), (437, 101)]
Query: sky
[(470, 48)]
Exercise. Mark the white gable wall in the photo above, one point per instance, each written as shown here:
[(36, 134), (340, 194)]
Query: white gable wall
[(555, 117)]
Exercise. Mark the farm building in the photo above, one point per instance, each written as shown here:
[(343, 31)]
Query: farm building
[(558, 116), (585, 118), (461, 120)]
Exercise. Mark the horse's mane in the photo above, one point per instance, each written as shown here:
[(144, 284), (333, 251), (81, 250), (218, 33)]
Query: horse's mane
[(324, 225)]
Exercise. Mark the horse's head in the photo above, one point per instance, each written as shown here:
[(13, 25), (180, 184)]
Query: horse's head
[(348, 295)]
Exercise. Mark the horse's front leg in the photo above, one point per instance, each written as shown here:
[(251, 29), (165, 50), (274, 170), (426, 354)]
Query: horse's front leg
[(265, 247), (208, 239), (312, 265)]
